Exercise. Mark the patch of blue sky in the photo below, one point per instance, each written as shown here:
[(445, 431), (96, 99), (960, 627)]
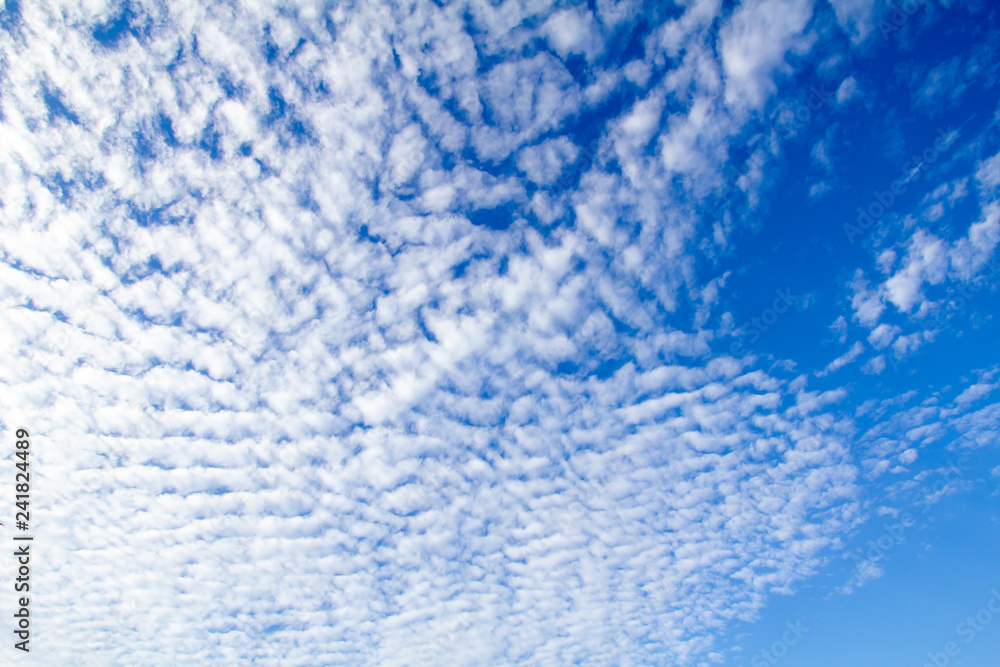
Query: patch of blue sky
[(808, 239)]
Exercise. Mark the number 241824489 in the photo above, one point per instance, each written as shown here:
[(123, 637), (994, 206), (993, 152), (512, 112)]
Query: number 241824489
[(22, 479)]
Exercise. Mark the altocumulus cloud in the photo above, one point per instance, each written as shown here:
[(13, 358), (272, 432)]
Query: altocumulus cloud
[(383, 334)]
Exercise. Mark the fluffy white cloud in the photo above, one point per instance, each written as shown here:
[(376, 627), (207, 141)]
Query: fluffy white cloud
[(925, 262), (882, 335), (866, 302), (574, 31), (544, 162), (754, 45)]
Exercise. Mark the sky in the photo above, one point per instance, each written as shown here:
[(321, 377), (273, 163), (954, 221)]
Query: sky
[(503, 333)]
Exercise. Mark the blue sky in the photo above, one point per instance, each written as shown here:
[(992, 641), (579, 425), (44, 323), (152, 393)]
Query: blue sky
[(505, 333)]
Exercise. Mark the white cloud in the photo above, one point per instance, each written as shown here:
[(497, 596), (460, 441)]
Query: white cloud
[(574, 31), (866, 302), (846, 358), (929, 261), (526, 98), (882, 335), (754, 44), (975, 392), (846, 90), (406, 153), (855, 17), (819, 189), (926, 261), (840, 328), (988, 173), (874, 366), (820, 153), (904, 345), (544, 162)]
